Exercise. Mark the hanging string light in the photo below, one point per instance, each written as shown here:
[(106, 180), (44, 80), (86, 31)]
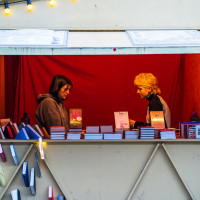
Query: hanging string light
[(29, 5), (7, 9), (52, 3)]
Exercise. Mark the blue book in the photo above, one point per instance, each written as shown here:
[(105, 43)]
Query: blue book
[(14, 155), (15, 194), (25, 173), (59, 197), (22, 125), (32, 133), (38, 166), (22, 135), (32, 181)]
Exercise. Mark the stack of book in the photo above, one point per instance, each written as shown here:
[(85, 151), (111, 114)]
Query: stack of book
[(167, 134), (146, 132), (57, 132), (131, 134), (92, 133), (108, 134), (74, 134)]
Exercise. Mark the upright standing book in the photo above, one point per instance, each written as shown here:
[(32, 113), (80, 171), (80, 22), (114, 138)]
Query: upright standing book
[(2, 178), (15, 194), (2, 154), (157, 119), (32, 181), (25, 173), (121, 120), (75, 118), (50, 193), (14, 155)]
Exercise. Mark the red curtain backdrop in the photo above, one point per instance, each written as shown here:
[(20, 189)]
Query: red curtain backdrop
[(102, 84)]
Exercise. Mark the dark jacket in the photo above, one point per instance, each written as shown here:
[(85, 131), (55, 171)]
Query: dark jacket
[(50, 113), (156, 103)]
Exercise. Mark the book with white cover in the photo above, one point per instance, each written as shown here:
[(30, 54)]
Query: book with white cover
[(14, 155), (15, 194), (32, 181), (167, 135), (121, 120)]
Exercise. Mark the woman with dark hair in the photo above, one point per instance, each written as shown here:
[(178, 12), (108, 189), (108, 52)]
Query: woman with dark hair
[(51, 110)]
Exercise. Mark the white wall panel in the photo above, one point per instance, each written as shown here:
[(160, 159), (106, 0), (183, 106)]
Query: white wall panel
[(105, 15)]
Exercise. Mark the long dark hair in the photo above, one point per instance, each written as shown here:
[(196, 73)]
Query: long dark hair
[(57, 83)]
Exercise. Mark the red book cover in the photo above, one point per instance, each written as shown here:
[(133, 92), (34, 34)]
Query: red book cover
[(14, 130), (8, 133), (2, 154), (50, 195)]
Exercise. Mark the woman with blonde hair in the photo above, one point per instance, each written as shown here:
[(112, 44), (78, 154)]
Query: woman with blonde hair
[(147, 87)]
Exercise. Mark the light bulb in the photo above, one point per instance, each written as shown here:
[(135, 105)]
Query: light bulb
[(29, 7), (52, 3), (7, 9)]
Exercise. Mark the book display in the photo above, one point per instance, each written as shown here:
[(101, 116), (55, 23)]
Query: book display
[(57, 132), (92, 133), (121, 120), (157, 119), (131, 134), (188, 129), (146, 132), (75, 118)]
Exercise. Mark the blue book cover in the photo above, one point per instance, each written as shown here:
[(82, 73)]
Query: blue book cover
[(15, 194), (22, 125), (32, 181), (32, 133), (38, 166), (59, 197), (22, 135), (14, 155), (25, 173)]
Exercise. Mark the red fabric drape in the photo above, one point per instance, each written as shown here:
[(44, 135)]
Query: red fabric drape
[(101, 84)]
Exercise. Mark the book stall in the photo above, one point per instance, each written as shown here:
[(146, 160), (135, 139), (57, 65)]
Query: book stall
[(38, 157)]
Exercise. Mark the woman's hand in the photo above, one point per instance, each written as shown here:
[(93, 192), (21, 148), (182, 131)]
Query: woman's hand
[(131, 122)]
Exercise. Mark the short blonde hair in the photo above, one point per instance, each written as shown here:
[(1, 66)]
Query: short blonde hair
[(147, 80)]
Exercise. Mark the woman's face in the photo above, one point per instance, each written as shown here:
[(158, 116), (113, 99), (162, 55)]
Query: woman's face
[(64, 91), (143, 91)]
